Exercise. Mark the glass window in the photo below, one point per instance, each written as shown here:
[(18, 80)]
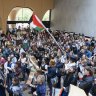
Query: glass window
[(24, 14), (46, 17)]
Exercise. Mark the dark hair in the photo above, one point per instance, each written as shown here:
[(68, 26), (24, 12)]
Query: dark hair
[(16, 79), (18, 63), (23, 54), (89, 70)]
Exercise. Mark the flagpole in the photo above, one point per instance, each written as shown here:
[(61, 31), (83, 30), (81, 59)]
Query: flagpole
[(54, 39), (50, 34)]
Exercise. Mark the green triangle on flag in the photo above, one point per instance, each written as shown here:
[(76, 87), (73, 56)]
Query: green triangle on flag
[(36, 24)]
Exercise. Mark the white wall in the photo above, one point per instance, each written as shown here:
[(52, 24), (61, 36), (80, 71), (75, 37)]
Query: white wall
[(75, 16)]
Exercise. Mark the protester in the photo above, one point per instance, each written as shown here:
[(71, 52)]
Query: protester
[(15, 89), (71, 63), (2, 82), (93, 88), (41, 86), (86, 80)]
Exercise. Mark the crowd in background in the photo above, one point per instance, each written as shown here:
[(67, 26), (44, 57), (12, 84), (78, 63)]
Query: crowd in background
[(53, 68)]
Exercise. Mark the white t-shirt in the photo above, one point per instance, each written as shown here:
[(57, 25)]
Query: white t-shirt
[(23, 60), (17, 90), (63, 59), (22, 50), (69, 65), (6, 68)]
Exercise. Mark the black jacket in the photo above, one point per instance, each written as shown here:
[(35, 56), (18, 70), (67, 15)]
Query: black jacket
[(86, 83), (70, 78), (93, 90)]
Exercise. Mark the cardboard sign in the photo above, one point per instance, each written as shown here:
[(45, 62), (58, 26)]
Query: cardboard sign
[(76, 91)]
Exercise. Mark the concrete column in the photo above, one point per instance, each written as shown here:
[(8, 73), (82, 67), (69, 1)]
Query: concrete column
[(75, 16)]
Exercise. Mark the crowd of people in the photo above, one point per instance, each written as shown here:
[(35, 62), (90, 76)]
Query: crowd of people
[(36, 52)]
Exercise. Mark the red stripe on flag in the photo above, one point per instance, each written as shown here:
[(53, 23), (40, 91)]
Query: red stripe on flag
[(36, 22)]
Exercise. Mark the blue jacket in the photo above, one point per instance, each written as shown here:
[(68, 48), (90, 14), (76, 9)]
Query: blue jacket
[(88, 53), (51, 72), (41, 90), (58, 67)]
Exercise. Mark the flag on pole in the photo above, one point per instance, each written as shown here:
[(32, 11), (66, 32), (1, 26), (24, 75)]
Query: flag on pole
[(35, 23)]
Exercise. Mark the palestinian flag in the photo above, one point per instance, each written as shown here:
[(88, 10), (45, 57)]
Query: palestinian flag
[(35, 23)]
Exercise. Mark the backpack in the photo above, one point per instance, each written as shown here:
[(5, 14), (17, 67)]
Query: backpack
[(54, 81)]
